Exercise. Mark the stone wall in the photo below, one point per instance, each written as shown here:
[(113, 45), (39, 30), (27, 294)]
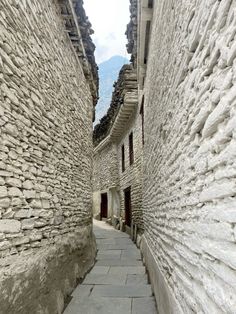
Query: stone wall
[(132, 176), (116, 127), (189, 156), (105, 176), (45, 159), (105, 170)]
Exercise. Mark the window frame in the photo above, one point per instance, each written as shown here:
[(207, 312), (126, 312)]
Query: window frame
[(150, 4), (141, 112), (131, 148), (123, 158)]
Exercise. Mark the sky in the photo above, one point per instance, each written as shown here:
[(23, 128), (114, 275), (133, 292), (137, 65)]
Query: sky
[(109, 19)]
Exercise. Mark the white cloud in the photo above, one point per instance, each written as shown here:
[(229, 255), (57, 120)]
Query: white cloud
[(109, 19)]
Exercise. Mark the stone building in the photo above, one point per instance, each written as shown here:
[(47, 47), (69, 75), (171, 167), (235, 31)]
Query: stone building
[(189, 156), (119, 138), (118, 157), (164, 164), (48, 88), (184, 56)]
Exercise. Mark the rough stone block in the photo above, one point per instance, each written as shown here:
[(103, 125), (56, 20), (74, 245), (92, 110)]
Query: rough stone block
[(28, 224), (3, 191), (14, 192), (28, 185), (5, 202), (14, 182), (9, 226), (4, 245), (29, 194), (23, 213)]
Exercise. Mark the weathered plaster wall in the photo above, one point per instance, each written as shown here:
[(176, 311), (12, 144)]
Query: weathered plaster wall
[(189, 156), (42, 279), (45, 157)]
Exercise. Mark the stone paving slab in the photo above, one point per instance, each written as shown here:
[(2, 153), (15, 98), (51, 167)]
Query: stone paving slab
[(108, 254), (108, 279), (112, 235), (144, 305), (82, 291), (123, 241), (118, 282), (130, 254), (100, 306), (119, 262), (115, 242), (122, 291), (132, 249), (100, 270), (133, 270), (106, 241), (137, 279), (114, 246), (101, 238)]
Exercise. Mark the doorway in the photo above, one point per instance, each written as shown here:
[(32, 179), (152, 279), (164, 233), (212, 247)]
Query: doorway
[(104, 205), (128, 210)]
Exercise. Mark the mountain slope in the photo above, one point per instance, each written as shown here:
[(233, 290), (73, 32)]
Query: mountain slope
[(108, 74)]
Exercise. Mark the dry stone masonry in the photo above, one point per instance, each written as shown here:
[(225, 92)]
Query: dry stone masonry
[(122, 119), (184, 55), (189, 156), (164, 153), (47, 92)]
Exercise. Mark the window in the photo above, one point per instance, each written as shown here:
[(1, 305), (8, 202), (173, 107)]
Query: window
[(123, 158), (147, 37), (142, 117), (131, 149), (128, 205), (150, 4), (104, 206)]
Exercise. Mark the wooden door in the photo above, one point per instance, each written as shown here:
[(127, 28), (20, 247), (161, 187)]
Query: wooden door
[(128, 210), (104, 205)]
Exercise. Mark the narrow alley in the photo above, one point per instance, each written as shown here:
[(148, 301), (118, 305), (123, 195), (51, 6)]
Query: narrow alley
[(118, 282), (117, 157)]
